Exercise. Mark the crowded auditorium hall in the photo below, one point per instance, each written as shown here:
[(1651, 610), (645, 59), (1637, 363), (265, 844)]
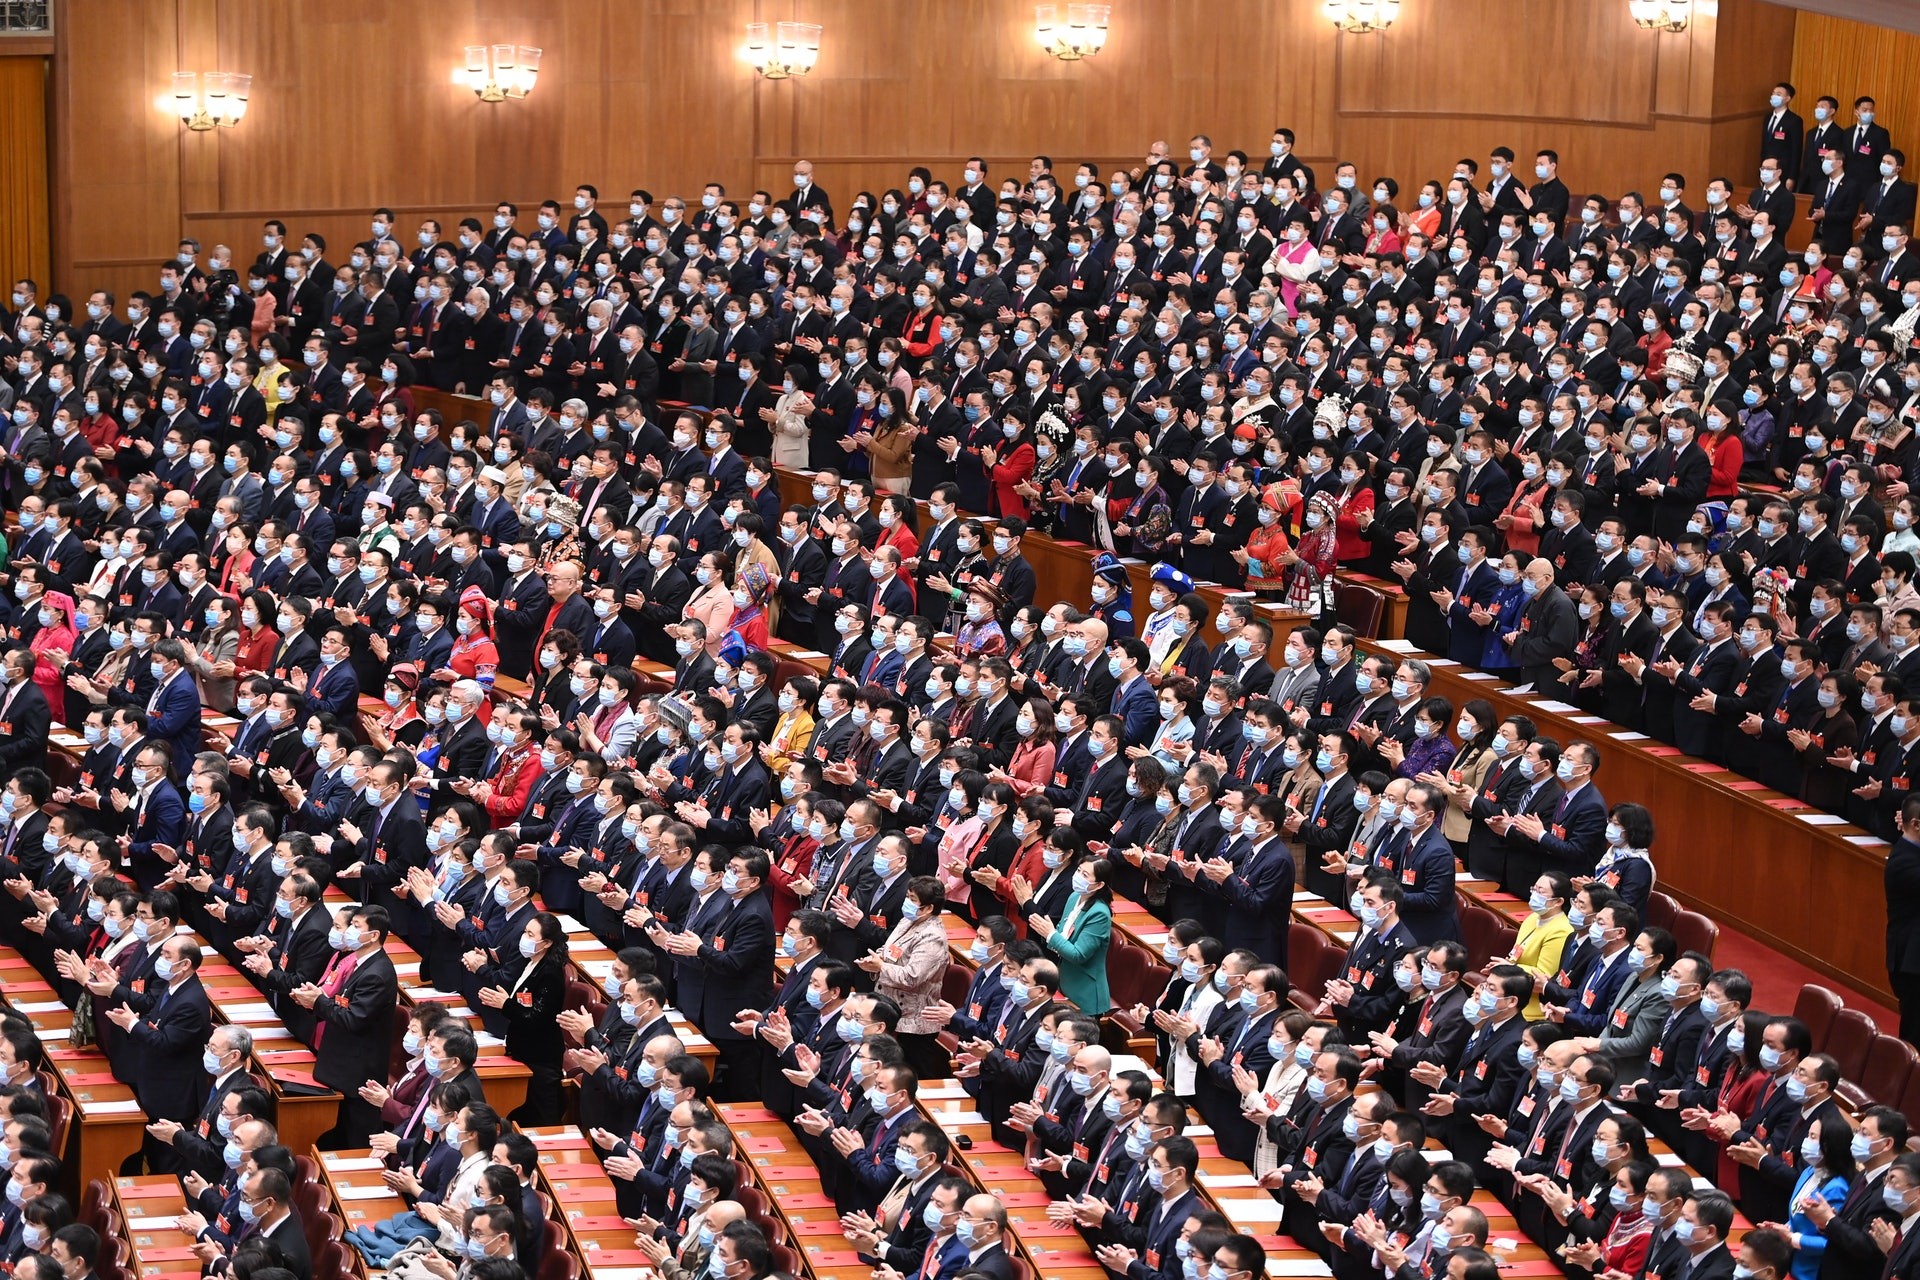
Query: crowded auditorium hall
[(1298, 668)]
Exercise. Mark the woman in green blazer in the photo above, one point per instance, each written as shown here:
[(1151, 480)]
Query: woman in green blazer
[(1079, 941)]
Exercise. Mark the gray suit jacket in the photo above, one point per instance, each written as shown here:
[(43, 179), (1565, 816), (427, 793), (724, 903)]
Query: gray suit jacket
[(1633, 1027)]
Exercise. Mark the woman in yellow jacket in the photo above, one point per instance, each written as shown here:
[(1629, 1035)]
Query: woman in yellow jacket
[(1543, 934), (793, 731)]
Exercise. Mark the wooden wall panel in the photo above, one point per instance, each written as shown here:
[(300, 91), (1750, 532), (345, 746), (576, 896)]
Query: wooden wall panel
[(1400, 74), (24, 204), (354, 104), (1846, 59)]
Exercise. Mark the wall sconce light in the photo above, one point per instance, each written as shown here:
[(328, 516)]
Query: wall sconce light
[(1661, 15), (784, 49), (1362, 17), (1082, 35), (209, 99), (496, 72)]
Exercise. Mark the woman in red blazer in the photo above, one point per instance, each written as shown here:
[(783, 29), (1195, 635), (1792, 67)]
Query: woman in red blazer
[(1008, 462), (898, 518)]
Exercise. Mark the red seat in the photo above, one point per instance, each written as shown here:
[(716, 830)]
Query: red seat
[(93, 1202), (1850, 1042), (1816, 1006), (557, 1265), (1694, 932), (584, 997), (1304, 944), (1486, 936), (1360, 607), (784, 1261), (1135, 976), (1662, 909), (1909, 1103), (954, 987), (305, 1170), (1890, 1063), (59, 1118)]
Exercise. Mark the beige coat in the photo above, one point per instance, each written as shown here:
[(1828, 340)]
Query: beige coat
[(912, 969)]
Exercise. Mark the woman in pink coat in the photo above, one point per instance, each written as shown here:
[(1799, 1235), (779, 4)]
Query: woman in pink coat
[(51, 646)]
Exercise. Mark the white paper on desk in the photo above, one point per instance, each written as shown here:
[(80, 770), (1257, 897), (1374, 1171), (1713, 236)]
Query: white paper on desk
[(1558, 708), (1227, 1181), (1668, 1160), (1275, 1267), (1865, 842), (1398, 646), (958, 1117), (429, 993), (1628, 736), (1127, 1062), (265, 1033), (41, 1006), (127, 1106), (251, 1008), (364, 1193), (352, 1164), (1821, 819), (1440, 662), (1476, 675), (625, 1273), (487, 1040), (1520, 690), (1198, 1131), (1588, 720), (1307, 895), (54, 1033), (1253, 1210)]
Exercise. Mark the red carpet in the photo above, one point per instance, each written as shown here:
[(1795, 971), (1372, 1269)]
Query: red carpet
[(1777, 978)]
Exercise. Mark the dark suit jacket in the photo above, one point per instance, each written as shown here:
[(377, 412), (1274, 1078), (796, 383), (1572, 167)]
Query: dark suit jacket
[(735, 967), (167, 1041), (23, 732), (353, 1036)]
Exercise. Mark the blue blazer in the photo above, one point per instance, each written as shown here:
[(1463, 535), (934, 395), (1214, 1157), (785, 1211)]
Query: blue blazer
[(177, 719), (1574, 841), (1426, 874), (1139, 706), (334, 690)]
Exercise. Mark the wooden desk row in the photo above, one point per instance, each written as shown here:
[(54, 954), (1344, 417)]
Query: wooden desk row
[(1765, 863)]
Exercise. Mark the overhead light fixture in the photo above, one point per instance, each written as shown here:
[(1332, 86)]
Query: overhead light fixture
[(1661, 15), (1081, 35), (210, 99), (780, 50), (496, 72), (1362, 17)]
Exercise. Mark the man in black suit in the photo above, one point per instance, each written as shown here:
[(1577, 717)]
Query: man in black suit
[(1903, 919), (354, 1009), (1549, 626), (266, 1206), (1851, 1251), (1782, 135), (736, 967), (296, 954), (197, 1145), (1707, 1255), (1710, 673), (24, 717), (392, 841), (1489, 1075), (1171, 1165), (1667, 1192), (166, 1040)]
